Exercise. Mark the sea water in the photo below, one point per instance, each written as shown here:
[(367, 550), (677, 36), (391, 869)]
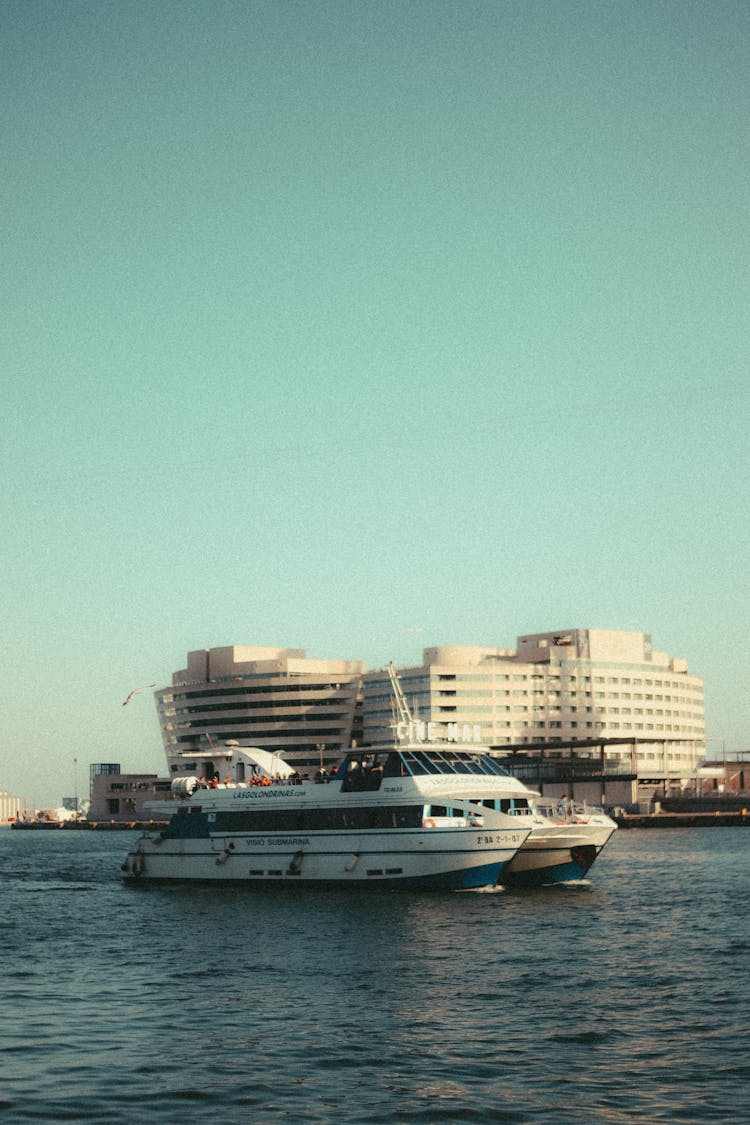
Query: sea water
[(625, 998)]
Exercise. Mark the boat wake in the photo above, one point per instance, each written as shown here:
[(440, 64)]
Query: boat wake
[(496, 890)]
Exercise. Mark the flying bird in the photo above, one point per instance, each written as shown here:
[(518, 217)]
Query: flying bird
[(135, 692)]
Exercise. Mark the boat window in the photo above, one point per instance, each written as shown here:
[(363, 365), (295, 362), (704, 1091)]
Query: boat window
[(490, 765), (417, 763), (325, 819), (485, 764), (412, 763), (445, 760), (365, 773), (188, 825), (440, 761), (393, 766)]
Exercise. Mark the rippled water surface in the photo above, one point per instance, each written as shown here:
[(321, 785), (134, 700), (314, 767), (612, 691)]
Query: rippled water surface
[(623, 999)]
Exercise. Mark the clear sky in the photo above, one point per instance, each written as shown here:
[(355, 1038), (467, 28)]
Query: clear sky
[(327, 321)]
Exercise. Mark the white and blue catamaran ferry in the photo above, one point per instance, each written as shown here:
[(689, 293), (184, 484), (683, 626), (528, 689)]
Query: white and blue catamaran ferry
[(408, 815)]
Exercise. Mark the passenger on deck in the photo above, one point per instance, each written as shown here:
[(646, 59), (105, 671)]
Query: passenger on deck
[(374, 775), (356, 776)]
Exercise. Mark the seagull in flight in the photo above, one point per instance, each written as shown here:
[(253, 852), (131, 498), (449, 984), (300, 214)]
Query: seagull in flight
[(135, 692)]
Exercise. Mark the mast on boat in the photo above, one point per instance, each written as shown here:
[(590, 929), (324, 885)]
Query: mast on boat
[(402, 707)]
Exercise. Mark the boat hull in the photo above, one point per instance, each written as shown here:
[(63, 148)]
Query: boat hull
[(443, 859), (559, 854)]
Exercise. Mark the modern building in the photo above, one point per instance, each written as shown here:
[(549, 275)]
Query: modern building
[(588, 693), (626, 722), (272, 698)]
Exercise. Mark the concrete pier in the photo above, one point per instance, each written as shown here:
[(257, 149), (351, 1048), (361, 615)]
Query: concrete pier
[(685, 820)]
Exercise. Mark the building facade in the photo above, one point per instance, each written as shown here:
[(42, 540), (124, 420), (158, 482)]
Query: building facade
[(122, 798), (272, 698), (583, 694), (588, 686), (12, 808)]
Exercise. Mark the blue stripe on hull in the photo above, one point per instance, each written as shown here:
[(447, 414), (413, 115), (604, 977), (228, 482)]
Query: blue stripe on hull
[(545, 876), (485, 876)]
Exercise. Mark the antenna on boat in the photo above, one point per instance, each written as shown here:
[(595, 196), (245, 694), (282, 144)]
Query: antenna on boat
[(404, 714)]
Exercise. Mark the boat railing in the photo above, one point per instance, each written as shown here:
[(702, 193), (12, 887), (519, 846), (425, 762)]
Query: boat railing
[(201, 786), (564, 810)]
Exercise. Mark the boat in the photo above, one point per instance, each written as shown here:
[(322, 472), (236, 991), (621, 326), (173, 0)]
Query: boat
[(405, 815), (564, 841)]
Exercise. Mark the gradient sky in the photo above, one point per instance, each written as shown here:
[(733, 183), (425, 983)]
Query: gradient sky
[(323, 322)]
